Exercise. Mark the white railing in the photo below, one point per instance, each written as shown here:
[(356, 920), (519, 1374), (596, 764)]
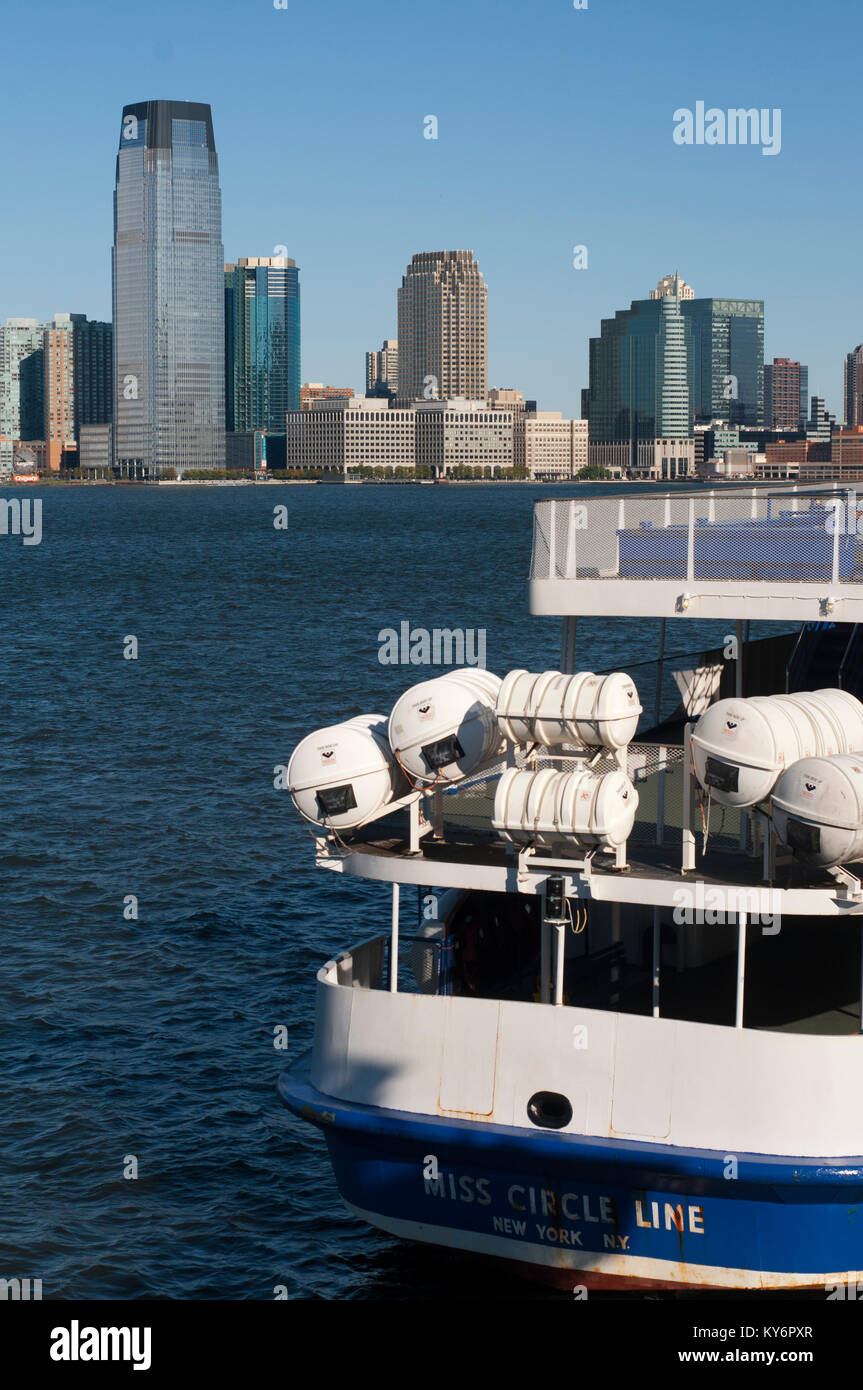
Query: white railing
[(761, 534)]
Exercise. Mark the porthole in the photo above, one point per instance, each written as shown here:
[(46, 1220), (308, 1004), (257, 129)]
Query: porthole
[(549, 1110)]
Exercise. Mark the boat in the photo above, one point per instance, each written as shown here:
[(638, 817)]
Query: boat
[(616, 1044)]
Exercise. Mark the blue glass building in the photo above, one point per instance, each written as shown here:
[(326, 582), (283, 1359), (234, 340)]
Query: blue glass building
[(262, 343), (169, 373), (664, 363)]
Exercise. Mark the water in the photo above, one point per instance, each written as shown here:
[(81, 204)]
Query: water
[(150, 1040)]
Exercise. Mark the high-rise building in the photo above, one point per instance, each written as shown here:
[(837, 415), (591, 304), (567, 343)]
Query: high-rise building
[(262, 342), (382, 370), (94, 375), (672, 287), (854, 387), (727, 361), (59, 389), (639, 380), (22, 385), (443, 328), (786, 394), (168, 275)]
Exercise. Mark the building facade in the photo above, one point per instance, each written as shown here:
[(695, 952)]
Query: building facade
[(59, 391), (853, 387), (168, 292), (344, 435), (22, 386), (639, 375), (442, 328), (786, 394), (727, 359), (382, 370), (552, 447), (315, 393), (461, 433), (262, 342)]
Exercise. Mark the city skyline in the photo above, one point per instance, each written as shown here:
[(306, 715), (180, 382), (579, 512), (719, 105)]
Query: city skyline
[(734, 223)]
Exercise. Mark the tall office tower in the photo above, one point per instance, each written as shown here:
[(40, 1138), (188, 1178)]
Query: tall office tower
[(672, 287), (382, 370), (727, 361), (22, 385), (854, 387), (94, 374), (59, 389), (639, 378), (442, 328), (169, 307), (786, 394), (262, 342)]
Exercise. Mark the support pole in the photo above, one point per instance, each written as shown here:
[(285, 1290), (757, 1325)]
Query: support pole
[(738, 674), (560, 937), (544, 960), (688, 837), (741, 968), (394, 943), (656, 961)]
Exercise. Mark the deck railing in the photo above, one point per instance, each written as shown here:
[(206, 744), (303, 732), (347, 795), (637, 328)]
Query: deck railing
[(753, 534)]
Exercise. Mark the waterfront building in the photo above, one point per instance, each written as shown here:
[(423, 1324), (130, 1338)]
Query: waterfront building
[(315, 393), (343, 435), (168, 290), (462, 433), (442, 328), (262, 342), (853, 387), (786, 394), (59, 391), (95, 450), (382, 370), (22, 385), (551, 447)]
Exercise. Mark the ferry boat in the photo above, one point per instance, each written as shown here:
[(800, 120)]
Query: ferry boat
[(620, 1046)]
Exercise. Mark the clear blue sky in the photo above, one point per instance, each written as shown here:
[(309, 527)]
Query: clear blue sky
[(555, 129)]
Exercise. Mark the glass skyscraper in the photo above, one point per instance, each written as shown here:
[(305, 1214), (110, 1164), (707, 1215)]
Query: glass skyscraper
[(727, 369), (262, 342), (639, 378), (169, 363), (664, 363)]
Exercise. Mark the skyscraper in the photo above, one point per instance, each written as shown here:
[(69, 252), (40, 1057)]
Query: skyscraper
[(727, 364), (168, 274), (22, 385), (442, 328), (854, 387), (59, 390), (786, 394), (94, 373), (382, 370), (262, 342), (671, 286), (639, 379)]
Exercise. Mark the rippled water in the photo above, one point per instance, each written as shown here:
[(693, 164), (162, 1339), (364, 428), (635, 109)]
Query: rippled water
[(153, 777)]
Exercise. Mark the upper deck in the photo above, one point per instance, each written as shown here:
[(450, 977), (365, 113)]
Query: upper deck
[(788, 554)]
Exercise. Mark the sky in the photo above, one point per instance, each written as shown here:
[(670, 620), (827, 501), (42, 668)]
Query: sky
[(555, 130)]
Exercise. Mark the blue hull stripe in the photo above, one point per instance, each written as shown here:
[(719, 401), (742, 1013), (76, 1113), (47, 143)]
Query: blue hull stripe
[(595, 1204)]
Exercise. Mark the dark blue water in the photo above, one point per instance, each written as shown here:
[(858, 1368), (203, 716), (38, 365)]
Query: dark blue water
[(153, 1037)]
